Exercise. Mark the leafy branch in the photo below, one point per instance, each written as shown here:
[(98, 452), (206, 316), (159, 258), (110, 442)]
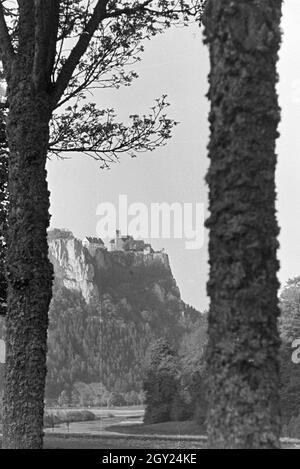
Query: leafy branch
[(96, 132)]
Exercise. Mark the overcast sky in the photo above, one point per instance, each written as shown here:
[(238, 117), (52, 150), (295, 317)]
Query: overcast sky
[(176, 64)]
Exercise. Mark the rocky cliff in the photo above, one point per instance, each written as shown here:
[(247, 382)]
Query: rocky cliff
[(73, 266), (77, 269), (107, 308)]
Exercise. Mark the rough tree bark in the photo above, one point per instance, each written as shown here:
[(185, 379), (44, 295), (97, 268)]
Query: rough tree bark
[(243, 38), (38, 77), (29, 270)]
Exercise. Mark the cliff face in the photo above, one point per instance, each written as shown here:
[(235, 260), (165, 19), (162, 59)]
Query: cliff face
[(107, 308), (72, 267), (91, 275)]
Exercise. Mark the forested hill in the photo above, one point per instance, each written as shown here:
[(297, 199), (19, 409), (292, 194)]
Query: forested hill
[(107, 308)]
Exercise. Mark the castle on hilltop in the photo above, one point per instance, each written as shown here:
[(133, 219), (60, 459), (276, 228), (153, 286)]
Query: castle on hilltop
[(92, 244), (119, 243)]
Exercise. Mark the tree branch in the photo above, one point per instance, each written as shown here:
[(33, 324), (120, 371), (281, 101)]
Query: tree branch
[(80, 48), (46, 29), (129, 10), (26, 28), (95, 132), (99, 14), (7, 53)]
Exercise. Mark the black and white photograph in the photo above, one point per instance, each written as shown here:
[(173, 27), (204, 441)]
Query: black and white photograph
[(149, 228)]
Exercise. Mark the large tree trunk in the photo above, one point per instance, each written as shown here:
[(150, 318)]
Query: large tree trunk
[(29, 270), (243, 38)]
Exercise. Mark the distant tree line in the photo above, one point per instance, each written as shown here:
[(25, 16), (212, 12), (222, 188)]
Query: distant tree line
[(96, 395)]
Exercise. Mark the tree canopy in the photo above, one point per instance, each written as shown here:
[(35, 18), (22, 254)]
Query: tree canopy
[(86, 45)]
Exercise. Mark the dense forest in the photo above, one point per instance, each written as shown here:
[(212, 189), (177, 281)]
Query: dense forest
[(100, 340), (106, 343)]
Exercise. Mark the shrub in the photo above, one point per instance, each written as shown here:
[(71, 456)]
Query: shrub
[(79, 416), (52, 419), (292, 429), (161, 384), (181, 409)]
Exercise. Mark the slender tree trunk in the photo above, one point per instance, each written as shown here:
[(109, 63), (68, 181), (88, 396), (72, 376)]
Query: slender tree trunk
[(3, 209), (243, 366), (29, 270)]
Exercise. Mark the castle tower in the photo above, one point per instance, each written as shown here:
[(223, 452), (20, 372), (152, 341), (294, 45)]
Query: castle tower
[(118, 243)]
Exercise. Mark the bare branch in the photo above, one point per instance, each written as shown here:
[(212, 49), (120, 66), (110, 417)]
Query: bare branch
[(79, 49), (96, 132), (100, 13)]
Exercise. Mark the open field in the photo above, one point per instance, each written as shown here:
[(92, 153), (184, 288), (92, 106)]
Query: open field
[(139, 442), (102, 411), (105, 417), (123, 432), (188, 428), (106, 442), (122, 428)]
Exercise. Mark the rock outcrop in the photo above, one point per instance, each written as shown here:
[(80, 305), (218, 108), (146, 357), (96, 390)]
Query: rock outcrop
[(77, 269), (107, 308), (72, 266)]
